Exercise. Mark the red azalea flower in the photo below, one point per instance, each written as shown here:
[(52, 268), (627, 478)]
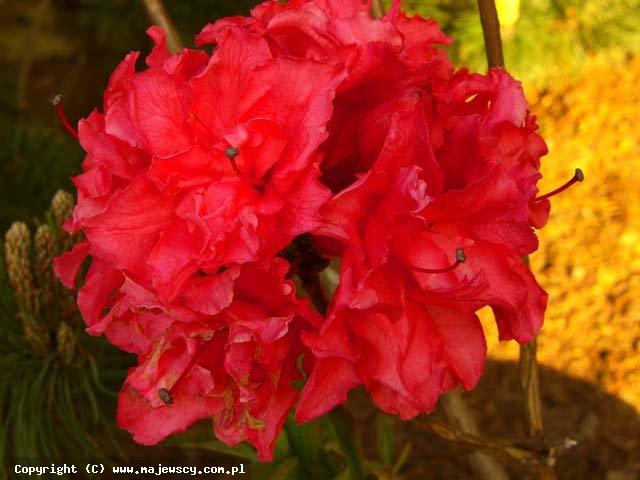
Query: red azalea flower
[(456, 168), (181, 176), (310, 116), (383, 57), (197, 174), (236, 366)]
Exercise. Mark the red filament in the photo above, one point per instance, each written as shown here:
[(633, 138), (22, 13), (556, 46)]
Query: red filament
[(577, 177), (57, 102), (460, 258)]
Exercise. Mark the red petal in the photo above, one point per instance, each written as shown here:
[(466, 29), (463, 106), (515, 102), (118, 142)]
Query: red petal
[(68, 264), (327, 387)]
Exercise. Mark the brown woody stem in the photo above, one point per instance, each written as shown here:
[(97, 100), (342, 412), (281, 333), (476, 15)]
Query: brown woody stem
[(459, 415), (491, 32), (531, 451), (376, 9), (530, 383), (528, 365), (159, 16)]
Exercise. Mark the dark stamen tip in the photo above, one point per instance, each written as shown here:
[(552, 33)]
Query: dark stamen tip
[(165, 396), (460, 258), (56, 99), (231, 152), (578, 176)]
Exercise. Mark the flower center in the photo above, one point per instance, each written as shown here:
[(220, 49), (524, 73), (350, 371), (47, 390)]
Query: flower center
[(165, 396)]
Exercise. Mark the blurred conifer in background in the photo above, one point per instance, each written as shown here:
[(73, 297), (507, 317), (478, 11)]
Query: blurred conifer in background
[(542, 39)]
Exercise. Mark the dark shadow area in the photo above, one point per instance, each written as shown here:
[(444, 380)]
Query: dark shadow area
[(606, 428)]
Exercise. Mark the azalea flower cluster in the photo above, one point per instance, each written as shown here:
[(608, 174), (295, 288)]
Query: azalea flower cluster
[(311, 120)]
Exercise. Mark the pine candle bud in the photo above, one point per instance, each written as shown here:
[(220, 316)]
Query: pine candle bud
[(45, 251), (62, 206), (34, 333), (17, 243), (66, 342)]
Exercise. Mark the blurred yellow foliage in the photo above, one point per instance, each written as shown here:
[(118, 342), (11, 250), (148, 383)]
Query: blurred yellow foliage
[(589, 256)]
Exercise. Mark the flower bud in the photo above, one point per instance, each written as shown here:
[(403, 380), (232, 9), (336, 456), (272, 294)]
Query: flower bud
[(34, 333), (66, 342), (62, 206), (17, 243), (45, 251)]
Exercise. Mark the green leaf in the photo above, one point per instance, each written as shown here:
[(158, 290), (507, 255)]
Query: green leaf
[(342, 426), (402, 458), (304, 441), (241, 450), (287, 468), (384, 437)]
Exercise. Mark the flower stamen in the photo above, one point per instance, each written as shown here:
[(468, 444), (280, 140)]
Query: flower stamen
[(165, 396), (56, 101), (231, 153), (165, 393), (578, 176), (460, 258)]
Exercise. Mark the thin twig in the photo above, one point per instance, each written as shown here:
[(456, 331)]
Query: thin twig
[(459, 415), (491, 32), (530, 383), (158, 14), (528, 365), (527, 451), (376, 9)]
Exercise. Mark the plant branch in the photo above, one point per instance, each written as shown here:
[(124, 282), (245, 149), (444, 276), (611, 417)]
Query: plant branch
[(491, 32), (376, 9), (459, 415), (529, 379), (530, 383), (159, 16), (530, 451)]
